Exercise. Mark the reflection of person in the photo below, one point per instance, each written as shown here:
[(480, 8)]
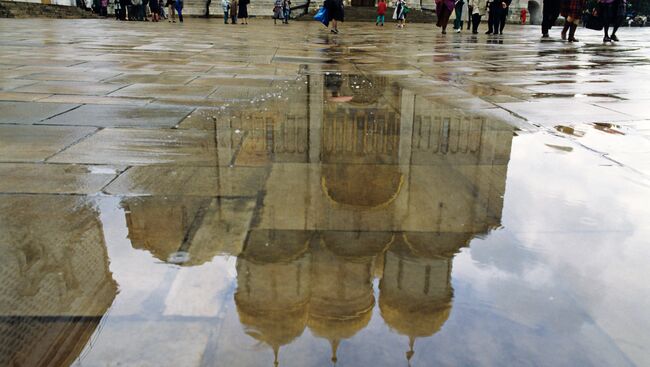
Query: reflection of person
[(443, 11), (571, 10), (523, 16), (550, 12), (613, 14), (335, 13)]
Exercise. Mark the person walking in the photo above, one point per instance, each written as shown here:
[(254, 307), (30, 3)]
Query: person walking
[(207, 8), (443, 11), (225, 4), (179, 9), (154, 6), (234, 7), (137, 10), (286, 11), (495, 15), (550, 13), (399, 14), (522, 15), (571, 10), (459, 6), (505, 9), (242, 11), (479, 8), (381, 12), (172, 12), (277, 11), (613, 14), (335, 13), (470, 12)]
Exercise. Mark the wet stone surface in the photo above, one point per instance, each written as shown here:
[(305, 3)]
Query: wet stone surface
[(211, 195)]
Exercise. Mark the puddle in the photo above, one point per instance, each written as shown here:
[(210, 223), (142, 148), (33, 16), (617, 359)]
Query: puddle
[(343, 220)]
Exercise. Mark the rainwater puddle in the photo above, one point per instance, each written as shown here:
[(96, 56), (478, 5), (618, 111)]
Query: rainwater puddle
[(345, 221)]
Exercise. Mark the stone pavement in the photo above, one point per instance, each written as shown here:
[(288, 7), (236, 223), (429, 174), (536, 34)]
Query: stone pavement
[(212, 195)]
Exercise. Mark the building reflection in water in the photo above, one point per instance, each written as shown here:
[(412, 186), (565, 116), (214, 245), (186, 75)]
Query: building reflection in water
[(54, 278), (394, 187)]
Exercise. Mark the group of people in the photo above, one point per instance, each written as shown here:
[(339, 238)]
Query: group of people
[(137, 9), (235, 10), (610, 12)]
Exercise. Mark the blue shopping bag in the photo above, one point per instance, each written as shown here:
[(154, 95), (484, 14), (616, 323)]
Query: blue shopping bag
[(321, 16)]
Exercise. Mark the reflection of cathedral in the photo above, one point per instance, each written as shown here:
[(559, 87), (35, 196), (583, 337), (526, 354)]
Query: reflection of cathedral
[(400, 185), (367, 182), (56, 284)]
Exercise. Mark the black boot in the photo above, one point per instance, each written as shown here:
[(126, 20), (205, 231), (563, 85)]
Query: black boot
[(572, 33), (565, 29)]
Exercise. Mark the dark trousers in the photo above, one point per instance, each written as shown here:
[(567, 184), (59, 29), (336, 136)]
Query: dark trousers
[(504, 15), (550, 14), (458, 22), (179, 10), (476, 21), (495, 17), (225, 17)]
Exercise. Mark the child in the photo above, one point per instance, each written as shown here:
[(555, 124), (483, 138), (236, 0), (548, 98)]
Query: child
[(381, 12)]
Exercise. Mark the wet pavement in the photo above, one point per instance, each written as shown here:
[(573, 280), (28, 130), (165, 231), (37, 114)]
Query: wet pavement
[(212, 195)]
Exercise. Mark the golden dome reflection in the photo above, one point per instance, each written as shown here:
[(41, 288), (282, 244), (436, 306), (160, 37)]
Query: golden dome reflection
[(324, 282)]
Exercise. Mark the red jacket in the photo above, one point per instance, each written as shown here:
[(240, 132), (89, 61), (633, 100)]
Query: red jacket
[(381, 8)]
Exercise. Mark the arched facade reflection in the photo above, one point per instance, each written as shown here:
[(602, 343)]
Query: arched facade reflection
[(387, 187)]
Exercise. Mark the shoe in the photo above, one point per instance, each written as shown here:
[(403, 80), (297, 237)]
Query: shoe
[(457, 30), (376, 24), (488, 32), (545, 35), (614, 38), (573, 39), (606, 39), (444, 32), (474, 32), (333, 31), (382, 24)]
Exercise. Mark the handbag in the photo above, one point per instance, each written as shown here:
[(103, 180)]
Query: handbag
[(593, 21), (321, 16)]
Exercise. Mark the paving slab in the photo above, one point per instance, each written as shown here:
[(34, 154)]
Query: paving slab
[(122, 116), (54, 178), (138, 147), (36, 143), (30, 112), (64, 87)]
